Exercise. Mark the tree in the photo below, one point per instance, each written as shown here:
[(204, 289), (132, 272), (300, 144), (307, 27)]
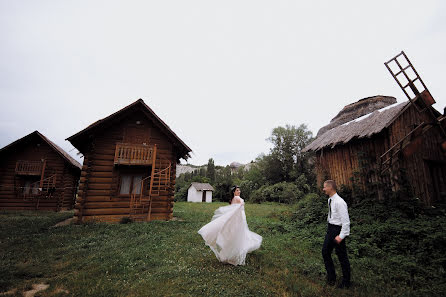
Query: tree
[(210, 173), (223, 182), (283, 175), (287, 158)]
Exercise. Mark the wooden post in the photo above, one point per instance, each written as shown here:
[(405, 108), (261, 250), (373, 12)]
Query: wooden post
[(42, 174), (117, 153), (151, 181)]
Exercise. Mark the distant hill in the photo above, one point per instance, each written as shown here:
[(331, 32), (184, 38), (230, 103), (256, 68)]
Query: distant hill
[(186, 168)]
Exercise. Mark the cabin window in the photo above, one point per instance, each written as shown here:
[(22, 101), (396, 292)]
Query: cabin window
[(130, 184), (30, 187)]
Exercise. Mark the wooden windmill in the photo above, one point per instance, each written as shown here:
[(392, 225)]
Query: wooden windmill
[(418, 94)]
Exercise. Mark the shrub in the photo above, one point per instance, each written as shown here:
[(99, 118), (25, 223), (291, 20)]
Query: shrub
[(283, 192), (126, 220), (311, 209), (181, 194), (401, 240)]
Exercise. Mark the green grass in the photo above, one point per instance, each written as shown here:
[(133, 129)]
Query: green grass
[(165, 258)]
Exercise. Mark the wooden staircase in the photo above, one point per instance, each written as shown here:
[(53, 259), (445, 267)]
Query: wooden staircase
[(156, 185), (416, 91), (407, 145), (46, 188)]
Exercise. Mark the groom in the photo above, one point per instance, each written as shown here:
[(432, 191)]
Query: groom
[(337, 231)]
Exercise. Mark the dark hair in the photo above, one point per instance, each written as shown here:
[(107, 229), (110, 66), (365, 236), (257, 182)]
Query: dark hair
[(332, 183), (233, 188)]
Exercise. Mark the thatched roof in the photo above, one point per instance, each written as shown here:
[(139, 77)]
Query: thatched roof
[(202, 186), (363, 127), (358, 109), (54, 146)]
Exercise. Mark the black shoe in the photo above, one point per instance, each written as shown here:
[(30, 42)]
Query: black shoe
[(344, 285)]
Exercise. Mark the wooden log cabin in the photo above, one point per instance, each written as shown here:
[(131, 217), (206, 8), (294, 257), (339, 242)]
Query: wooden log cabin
[(35, 173), (391, 137), (129, 166)]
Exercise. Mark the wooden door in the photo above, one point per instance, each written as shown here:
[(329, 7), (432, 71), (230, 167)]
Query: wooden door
[(204, 196), (437, 171)]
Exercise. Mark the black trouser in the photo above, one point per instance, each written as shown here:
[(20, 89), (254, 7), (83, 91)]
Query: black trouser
[(341, 251)]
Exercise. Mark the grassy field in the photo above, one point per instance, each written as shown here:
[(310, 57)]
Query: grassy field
[(164, 258)]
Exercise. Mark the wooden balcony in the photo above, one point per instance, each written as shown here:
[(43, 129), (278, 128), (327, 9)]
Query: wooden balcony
[(134, 154), (24, 167)]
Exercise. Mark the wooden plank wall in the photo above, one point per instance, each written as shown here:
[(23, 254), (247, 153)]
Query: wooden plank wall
[(340, 162), (98, 197), (63, 198), (415, 164)]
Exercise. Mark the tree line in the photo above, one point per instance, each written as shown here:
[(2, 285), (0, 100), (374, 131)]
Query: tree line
[(285, 174)]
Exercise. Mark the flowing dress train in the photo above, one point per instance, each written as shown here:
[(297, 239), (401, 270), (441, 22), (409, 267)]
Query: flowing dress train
[(228, 235)]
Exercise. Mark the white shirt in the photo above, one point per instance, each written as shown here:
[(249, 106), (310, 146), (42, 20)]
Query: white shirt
[(339, 214)]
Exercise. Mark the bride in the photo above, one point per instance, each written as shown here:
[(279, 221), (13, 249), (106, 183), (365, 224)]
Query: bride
[(228, 234)]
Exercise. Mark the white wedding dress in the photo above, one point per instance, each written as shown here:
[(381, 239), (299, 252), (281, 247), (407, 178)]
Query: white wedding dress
[(228, 234)]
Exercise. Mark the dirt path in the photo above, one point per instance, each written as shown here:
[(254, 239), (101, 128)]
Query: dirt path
[(36, 289), (68, 221)]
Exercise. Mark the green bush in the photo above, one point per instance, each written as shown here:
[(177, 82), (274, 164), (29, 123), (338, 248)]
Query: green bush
[(181, 194), (403, 243), (311, 209), (126, 220), (283, 192)]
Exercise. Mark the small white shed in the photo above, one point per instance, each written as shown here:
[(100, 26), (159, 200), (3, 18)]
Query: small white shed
[(200, 192)]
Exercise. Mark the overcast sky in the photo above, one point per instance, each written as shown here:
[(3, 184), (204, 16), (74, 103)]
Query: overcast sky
[(221, 74)]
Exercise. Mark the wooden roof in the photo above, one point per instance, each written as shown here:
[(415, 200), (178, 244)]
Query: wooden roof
[(364, 127), (78, 138), (202, 186), (54, 146)]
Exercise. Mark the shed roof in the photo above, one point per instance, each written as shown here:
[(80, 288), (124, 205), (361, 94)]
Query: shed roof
[(202, 186), (76, 139), (56, 148), (363, 127)]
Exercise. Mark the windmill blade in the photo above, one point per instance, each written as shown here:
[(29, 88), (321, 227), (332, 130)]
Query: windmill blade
[(410, 82)]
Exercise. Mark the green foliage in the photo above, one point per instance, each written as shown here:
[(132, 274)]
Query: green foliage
[(181, 193), (310, 210), (184, 181), (287, 156), (281, 192), (210, 172), (283, 175), (126, 220), (141, 259), (223, 182), (397, 244), (390, 253)]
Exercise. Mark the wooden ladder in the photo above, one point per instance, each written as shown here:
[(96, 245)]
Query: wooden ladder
[(158, 183), (45, 189), (410, 81), (408, 78), (391, 156), (139, 202), (161, 181)]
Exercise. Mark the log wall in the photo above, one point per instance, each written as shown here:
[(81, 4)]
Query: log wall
[(98, 198), (10, 183)]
